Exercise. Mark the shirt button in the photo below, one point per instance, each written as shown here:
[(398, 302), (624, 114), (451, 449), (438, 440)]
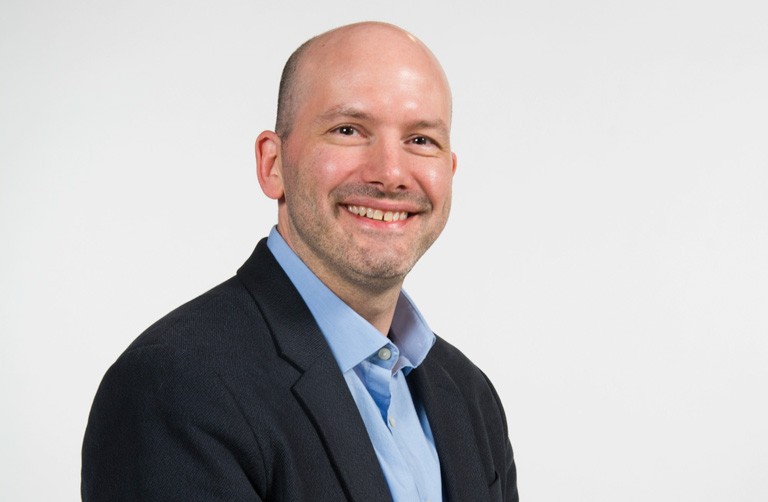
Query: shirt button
[(385, 354), (391, 422)]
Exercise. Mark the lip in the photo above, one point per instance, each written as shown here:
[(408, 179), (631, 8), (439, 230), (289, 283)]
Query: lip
[(383, 223), (383, 205), (378, 214)]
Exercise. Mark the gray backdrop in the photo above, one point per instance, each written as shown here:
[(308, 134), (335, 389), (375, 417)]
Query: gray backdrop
[(605, 262)]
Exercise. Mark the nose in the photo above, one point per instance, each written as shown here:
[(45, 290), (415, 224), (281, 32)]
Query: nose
[(386, 165)]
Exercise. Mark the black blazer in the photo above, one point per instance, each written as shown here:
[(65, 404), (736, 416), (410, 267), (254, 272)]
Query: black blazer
[(236, 396)]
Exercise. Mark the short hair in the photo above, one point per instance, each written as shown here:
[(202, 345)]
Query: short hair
[(288, 93)]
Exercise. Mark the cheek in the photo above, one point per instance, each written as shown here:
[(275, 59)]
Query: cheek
[(438, 184), (305, 174), (326, 168)]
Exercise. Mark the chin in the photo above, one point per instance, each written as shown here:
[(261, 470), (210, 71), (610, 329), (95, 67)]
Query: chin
[(382, 269)]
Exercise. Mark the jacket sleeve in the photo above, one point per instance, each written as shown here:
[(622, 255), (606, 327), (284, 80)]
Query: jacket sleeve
[(510, 493), (163, 427), (510, 475)]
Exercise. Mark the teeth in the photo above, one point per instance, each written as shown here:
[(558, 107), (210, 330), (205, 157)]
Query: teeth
[(378, 214)]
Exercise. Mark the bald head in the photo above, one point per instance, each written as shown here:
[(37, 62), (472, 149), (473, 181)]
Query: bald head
[(367, 43)]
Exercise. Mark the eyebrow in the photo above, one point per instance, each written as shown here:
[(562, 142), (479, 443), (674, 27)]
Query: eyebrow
[(358, 114), (437, 124), (343, 111)]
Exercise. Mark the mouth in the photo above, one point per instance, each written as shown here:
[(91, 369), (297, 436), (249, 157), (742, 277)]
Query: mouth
[(377, 214)]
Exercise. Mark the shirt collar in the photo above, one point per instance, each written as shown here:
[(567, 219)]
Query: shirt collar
[(353, 339)]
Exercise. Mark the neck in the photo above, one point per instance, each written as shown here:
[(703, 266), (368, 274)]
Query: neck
[(375, 306), (373, 298)]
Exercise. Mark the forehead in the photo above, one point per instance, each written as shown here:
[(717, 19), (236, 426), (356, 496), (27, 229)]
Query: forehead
[(372, 68)]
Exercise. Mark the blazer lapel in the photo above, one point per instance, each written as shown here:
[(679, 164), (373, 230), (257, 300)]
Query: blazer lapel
[(321, 388), (460, 462), (339, 424)]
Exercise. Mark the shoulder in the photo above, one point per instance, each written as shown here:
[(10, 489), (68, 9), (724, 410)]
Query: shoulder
[(226, 306), (175, 396), (219, 330), (210, 348), (459, 366), (187, 349), (164, 404), (474, 385)]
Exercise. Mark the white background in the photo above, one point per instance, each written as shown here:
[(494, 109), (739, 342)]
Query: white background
[(606, 262)]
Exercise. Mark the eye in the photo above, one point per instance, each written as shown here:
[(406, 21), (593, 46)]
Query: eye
[(346, 130), (424, 141)]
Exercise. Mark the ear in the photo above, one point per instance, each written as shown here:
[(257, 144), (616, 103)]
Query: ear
[(269, 166), (454, 163)]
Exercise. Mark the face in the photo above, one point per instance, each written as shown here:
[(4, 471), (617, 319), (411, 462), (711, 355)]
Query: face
[(367, 167)]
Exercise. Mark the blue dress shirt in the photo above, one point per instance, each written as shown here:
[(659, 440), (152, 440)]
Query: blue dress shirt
[(374, 368)]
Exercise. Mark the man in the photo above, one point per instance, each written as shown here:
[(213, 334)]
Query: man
[(310, 376)]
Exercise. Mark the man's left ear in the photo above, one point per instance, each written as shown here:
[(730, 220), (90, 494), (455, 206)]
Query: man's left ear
[(454, 162), (269, 167)]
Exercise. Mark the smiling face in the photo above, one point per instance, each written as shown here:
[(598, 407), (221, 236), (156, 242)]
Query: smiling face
[(364, 177)]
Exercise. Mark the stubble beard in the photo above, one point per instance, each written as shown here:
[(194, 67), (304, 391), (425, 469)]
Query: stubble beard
[(325, 247)]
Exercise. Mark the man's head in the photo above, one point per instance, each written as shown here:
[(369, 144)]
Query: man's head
[(360, 164)]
